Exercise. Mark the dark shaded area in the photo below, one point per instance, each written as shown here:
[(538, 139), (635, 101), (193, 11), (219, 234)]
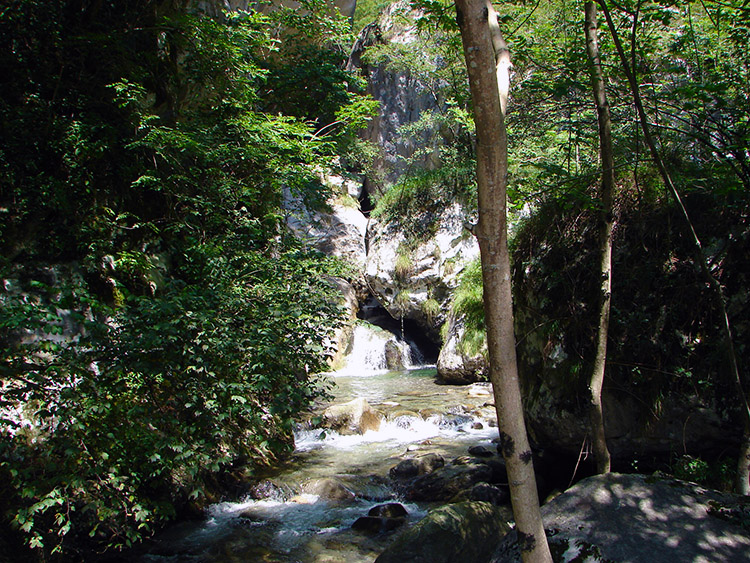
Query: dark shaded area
[(373, 312), (666, 388)]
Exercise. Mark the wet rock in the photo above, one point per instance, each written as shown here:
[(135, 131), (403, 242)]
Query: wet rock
[(328, 489), (454, 421), (388, 510), (377, 524), (354, 417), (641, 519), (393, 357), (414, 467), (480, 390), (396, 414), (428, 413), (446, 482), (498, 496), (341, 339), (267, 489), (477, 426), (457, 533), (481, 451)]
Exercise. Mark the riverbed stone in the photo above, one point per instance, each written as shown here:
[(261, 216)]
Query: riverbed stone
[(328, 489), (456, 533), (354, 417), (446, 482), (639, 519), (388, 510), (414, 467), (377, 524)]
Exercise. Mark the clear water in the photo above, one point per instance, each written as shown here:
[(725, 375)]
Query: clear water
[(296, 526)]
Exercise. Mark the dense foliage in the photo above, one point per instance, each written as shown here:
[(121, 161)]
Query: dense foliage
[(159, 326)]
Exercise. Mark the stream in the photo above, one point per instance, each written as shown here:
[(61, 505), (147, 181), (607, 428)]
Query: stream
[(283, 519)]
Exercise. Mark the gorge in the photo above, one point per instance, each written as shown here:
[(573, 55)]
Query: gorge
[(241, 287)]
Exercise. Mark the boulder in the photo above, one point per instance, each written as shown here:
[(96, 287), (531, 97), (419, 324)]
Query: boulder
[(456, 533), (394, 357), (414, 467), (388, 510), (481, 451), (328, 489), (354, 417), (455, 366), (446, 482), (637, 518), (377, 524), (495, 463), (494, 494), (381, 518)]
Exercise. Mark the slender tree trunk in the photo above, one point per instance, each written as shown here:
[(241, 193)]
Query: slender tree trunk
[(742, 481), (492, 169), (596, 413)]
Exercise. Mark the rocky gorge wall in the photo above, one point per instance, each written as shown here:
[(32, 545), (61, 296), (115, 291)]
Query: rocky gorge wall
[(411, 279)]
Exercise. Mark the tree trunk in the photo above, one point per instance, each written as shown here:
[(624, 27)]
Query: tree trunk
[(492, 169), (596, 414), (742, 481)]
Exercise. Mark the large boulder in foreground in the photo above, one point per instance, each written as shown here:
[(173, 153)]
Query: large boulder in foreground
[(455, 533), (354, 417), (636, 518)]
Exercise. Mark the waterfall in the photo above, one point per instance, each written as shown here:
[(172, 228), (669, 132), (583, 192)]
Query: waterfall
[(374, 350)]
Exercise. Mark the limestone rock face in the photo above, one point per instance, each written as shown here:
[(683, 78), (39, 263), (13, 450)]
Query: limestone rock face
[(403, 99), (339, 232), (216, 7), (639, 519), (455, 533), (354, 417), (416, 283)]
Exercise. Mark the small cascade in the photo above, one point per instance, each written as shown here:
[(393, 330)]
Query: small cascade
[(375, 350)]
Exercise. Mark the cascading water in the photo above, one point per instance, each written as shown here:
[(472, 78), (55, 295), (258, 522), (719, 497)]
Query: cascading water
[(374, 350), (305, 511)]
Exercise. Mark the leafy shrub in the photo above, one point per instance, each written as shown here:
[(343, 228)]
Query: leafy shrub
[(179, 335)]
